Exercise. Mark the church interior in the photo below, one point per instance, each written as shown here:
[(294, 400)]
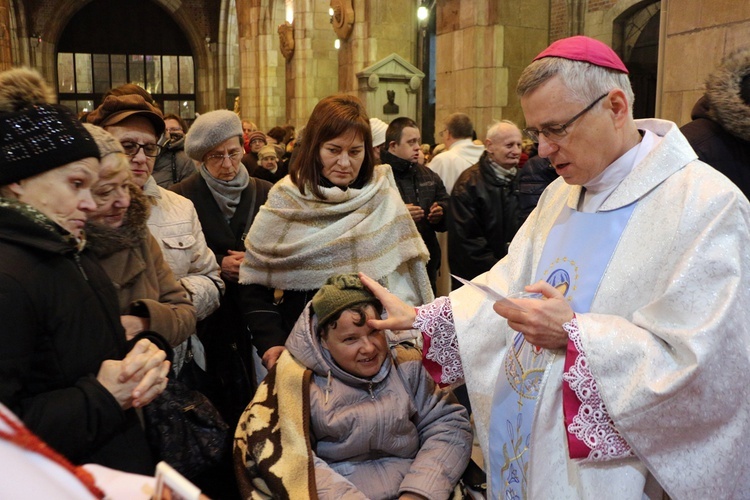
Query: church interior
[(272, 60)]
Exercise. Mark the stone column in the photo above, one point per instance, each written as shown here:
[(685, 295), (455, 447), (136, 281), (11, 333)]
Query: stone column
[(482, 47), (262, 69), (702, 33), (312, 72)]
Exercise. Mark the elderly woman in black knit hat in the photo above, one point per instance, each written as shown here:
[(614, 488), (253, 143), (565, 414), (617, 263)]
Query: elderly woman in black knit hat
[(226, 198), (66, 368)]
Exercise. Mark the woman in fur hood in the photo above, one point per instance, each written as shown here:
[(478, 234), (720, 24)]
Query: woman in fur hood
[(720, 130), (150, 297)]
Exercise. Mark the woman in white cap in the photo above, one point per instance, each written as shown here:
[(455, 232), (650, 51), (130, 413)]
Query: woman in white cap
[(66, 368)]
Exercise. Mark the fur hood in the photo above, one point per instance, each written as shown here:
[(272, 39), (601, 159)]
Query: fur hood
[(105, 241), (726, 107), (21, 88)]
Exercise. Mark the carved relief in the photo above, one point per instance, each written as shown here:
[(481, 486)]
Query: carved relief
[(286, 40), (343, 18)]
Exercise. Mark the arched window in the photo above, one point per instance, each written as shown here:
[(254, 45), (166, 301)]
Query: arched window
[(109, 43)]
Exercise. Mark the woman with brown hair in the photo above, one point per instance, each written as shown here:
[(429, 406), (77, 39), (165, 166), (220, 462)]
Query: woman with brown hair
[(335, 213)]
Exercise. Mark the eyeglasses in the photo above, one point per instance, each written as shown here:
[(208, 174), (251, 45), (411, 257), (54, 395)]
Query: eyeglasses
[(557, 131), (150, 150), (218, 159)]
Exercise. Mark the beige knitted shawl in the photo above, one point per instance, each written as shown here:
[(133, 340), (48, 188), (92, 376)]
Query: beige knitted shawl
[(297, 241)]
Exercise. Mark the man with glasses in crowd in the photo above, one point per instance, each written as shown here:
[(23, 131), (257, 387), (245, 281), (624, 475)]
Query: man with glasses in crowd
[(137, 124), (631, 377), (172, 165)]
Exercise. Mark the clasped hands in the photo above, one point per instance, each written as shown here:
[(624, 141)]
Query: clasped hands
[(540, 321), (417, 213), (137, 379)]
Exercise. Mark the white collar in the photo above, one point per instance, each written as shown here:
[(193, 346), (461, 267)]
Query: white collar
[(600, 187)]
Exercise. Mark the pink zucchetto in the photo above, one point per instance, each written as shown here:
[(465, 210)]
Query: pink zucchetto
[(585, 49)]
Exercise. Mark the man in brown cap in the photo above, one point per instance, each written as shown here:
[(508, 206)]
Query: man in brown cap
[(629, 378), (137, 124)]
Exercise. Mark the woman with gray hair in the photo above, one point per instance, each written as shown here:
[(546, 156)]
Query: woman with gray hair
[(226, 198)]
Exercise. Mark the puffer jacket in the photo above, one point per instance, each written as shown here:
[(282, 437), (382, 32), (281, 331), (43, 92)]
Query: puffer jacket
[(173, 164), (177, 228), (366, 433), (144, 282)]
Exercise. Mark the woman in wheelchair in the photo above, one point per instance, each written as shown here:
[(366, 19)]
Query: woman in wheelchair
[(345, 415)]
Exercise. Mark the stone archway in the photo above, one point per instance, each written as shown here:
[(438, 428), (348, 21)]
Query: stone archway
[(636, 39), (51, 19)]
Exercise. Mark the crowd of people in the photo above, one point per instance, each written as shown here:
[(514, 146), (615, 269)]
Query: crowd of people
[(307, 275)]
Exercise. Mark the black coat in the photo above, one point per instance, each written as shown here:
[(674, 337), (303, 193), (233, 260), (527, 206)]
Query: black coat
[(421, 186), (533, 179), (222, 236), (715, 145), (484, 217), (60, 321)]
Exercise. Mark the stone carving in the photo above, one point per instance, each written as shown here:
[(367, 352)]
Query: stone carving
[(343, 18), (286, 40), (390, 108)]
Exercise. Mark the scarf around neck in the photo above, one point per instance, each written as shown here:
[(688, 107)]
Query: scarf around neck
[(226, 193), (43, 221), (297, 241), (104, 240)]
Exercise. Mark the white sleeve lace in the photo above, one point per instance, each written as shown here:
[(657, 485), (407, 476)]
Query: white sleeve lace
[(435, 321), (592, 424)]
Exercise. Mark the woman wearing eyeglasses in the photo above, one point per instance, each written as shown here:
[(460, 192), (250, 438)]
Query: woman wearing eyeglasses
[(226, 198), (336, 212), (137, 125)]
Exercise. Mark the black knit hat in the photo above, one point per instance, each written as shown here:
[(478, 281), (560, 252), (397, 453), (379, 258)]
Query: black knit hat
[(36, 136), (340, 292)]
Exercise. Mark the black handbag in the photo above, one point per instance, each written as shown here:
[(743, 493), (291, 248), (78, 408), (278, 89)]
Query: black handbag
[(185, 430)]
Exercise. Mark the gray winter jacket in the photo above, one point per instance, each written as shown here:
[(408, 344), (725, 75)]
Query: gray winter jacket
[(380, 438)]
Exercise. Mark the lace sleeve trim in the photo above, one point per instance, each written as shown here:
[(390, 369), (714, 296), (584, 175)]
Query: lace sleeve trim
[(592, 424), (435, 321)]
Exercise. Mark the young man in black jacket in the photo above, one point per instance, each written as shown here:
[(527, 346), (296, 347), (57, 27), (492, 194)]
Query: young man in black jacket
[(421, 188)]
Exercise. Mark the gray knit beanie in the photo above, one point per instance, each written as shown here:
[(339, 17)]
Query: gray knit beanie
[(209, 130), (340, 292)]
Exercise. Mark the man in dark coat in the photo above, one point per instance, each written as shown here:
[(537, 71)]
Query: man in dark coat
[(720, 130), (421, 188), (484, 213)]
